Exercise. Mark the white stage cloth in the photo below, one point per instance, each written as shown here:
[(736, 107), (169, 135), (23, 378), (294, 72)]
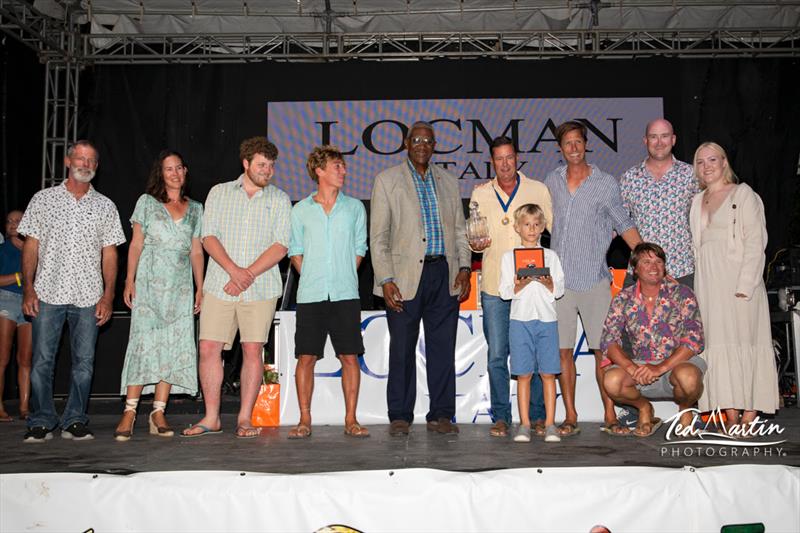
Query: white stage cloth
[(625, 499)]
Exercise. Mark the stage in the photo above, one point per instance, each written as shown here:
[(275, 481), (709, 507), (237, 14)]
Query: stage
[(465, 482)]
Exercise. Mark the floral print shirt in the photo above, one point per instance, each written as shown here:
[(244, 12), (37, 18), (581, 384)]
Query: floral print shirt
[(674, 322), (660, 209)]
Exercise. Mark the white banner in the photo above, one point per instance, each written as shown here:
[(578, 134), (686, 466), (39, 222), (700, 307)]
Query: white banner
[(472, 379), (625, 499)]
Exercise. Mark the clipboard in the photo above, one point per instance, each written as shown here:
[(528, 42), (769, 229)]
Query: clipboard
[(529, 262)]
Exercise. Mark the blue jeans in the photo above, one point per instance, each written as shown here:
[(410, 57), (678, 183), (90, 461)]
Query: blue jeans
[(47, 326), (496, 313)]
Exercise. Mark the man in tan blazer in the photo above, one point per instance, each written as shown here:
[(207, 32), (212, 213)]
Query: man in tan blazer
[(422, 268)]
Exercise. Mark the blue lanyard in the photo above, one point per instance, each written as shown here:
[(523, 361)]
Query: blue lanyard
[(503, 204)]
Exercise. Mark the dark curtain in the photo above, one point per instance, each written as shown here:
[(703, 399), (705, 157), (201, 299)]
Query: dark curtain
[(747, 105)]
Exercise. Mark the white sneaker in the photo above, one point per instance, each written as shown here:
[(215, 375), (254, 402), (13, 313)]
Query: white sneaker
[(551, 434), (523, 434)]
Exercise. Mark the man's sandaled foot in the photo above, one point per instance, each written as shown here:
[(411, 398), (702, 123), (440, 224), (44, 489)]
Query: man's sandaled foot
[(5, 417), (615, 429), (499, 429), (356, 430), (300, 431), (647, 428), (539, 429), (568, 429), (199, 430), (247, 432)]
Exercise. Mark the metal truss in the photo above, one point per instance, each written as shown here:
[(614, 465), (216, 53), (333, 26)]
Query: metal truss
[(236, 48), (39, 32), (65, 50), (60, 119)]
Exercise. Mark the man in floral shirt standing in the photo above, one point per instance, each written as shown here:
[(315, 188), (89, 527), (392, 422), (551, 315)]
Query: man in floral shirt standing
[(69, 267), (658, 193), (662, 320)]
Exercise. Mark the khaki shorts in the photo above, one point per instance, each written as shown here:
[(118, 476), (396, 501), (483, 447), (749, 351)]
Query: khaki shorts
[(219, 320), (593, 308)]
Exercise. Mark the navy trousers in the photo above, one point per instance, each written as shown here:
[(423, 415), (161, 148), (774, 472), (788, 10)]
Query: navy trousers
[(438, 311)]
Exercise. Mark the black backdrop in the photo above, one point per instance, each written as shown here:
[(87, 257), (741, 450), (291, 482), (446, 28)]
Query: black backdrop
[(749, 106)]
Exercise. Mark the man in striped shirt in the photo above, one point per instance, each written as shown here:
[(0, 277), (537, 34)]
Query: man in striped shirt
[(246, 233), (587, 209)]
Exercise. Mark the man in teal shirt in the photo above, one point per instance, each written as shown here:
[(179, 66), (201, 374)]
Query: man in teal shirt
[(328, 242)]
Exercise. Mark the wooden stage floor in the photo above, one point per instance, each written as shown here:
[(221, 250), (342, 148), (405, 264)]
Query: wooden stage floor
[(329, 450)]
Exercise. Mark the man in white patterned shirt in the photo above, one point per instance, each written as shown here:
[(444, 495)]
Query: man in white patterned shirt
[(246, 233), (658, 193), (69, 268)]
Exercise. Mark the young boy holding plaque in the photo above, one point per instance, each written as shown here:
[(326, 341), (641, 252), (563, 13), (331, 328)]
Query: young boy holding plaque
[(328, 242), (532, 278)]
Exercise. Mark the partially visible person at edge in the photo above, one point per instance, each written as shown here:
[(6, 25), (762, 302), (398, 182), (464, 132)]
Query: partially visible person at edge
[(69, 268), (422, 269), (12, 321), (246, 234), (730, 234), (497, 200), (662, 320), (329, 240), (164, 254), (587, 209)]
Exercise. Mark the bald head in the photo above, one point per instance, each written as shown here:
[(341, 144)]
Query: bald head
[(658, 124), (659, 138)]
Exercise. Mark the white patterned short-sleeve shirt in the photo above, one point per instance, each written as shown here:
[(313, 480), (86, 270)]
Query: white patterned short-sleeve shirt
[(660, 209), (72, 233)]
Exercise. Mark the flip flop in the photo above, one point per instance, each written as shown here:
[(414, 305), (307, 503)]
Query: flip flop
[(245, 432), (568, 429), (654, 425), (205, 431), (612, 430), (357, 431), (539, 429), (6, 418), (300, 431)]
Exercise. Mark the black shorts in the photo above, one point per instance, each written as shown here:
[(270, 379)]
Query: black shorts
[(315, 321)]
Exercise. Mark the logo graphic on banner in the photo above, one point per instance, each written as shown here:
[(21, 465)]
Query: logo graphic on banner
[(371, 134)]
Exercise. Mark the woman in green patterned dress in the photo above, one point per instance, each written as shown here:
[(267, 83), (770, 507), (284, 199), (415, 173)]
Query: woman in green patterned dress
[(164, 253)]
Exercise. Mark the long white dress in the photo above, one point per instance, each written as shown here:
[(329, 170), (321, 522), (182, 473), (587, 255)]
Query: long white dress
[(729, 258)]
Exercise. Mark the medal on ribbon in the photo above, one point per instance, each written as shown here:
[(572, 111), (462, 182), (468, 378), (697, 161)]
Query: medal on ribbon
[(505, 205)]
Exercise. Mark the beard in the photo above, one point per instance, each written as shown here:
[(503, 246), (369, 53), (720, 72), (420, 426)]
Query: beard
[(82, 175)]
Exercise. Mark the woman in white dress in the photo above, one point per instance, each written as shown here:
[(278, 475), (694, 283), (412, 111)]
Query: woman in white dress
[(729, 235)]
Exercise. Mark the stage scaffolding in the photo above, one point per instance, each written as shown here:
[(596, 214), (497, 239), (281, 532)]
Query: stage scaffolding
[(70, 44)]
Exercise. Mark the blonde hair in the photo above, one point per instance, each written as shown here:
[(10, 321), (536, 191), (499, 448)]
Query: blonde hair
[(727, 172), (528, 209), (319, 157)]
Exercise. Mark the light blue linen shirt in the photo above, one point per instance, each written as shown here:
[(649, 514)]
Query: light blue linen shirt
[(329, 244)]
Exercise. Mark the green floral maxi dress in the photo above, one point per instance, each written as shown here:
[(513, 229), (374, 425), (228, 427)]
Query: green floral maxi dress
[(161, 346)]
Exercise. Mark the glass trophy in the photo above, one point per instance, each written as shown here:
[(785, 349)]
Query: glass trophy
[(477, 228)]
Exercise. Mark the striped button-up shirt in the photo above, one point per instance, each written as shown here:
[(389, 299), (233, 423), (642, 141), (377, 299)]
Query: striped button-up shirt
[(246, 227), (583, 223), (329, 244), (660, 209), (429, 205)]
